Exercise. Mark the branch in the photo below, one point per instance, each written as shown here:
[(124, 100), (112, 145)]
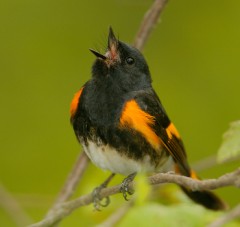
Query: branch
[(229, 179), (67, 208), (234, 213), (149, 21)]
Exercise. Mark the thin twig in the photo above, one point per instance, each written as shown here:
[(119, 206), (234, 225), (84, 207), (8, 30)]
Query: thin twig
[(67, 208), (12, 208), (149, 21), (231, 215)]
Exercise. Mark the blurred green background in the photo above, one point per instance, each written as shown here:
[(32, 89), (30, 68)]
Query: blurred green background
[(193, 56)]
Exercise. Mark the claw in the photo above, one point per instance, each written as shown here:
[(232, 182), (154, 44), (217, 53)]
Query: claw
[(125, 186), (97, 200), (107, 202), (96, 195)]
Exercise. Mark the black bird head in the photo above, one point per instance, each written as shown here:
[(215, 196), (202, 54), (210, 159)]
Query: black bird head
[(122, 63)]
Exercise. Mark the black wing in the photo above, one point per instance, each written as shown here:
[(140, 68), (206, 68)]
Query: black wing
[(149, 102)]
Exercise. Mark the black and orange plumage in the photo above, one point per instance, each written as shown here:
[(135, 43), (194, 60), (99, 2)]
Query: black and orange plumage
[(121, 123)]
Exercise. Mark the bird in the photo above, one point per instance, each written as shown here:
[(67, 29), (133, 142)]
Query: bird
[(122, 125)]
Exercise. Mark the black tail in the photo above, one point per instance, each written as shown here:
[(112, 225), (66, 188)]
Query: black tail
[(205, 198)]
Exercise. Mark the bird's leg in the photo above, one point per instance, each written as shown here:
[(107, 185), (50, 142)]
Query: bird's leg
[(125, 185), (96, 194)]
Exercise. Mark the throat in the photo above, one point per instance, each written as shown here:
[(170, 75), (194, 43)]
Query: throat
[(104, 103)]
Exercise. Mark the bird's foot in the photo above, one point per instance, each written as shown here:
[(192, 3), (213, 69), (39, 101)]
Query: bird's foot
[(96, 194), (125, 186)]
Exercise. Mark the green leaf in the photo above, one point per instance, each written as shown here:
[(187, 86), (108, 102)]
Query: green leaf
[(230, 147)]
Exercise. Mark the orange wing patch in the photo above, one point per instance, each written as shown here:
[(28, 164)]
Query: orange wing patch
[(171, 130), (75, 101), (133, 116)]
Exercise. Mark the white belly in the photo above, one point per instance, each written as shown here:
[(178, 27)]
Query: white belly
[(107, 158)]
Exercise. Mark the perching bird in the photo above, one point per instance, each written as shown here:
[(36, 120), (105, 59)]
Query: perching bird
[(122, 125)]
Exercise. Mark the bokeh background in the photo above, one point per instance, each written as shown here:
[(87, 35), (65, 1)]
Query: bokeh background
[(193, 56)]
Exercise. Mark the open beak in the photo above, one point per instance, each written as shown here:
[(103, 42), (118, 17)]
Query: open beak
[(97, 54)]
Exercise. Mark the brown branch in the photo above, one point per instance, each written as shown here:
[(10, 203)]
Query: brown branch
[(228, 179), (231, 215), (149, 21), (67, 208)]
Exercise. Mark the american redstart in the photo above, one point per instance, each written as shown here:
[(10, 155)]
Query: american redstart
[(122, 125)]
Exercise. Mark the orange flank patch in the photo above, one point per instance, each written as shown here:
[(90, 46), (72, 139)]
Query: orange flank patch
[(194, 175), (171, 130), (133, 116), (74, 103)]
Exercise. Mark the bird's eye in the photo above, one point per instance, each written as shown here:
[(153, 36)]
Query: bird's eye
[(130, 61)]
